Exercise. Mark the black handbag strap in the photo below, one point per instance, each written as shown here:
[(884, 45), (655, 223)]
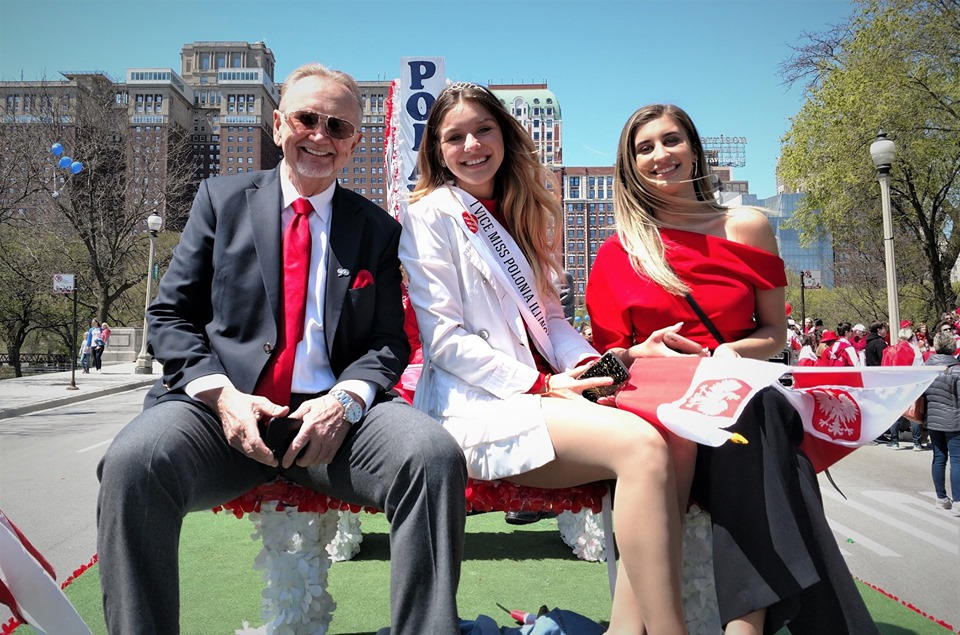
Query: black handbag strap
[(707, 322)]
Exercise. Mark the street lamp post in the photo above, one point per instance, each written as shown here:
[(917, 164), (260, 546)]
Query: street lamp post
[(883, 151), (144, 359)]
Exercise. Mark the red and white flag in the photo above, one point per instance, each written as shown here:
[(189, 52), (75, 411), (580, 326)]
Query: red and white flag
[(841, 408), (28, 587)]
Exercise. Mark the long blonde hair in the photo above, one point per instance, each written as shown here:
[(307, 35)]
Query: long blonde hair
[(635, 200), (532, 212)]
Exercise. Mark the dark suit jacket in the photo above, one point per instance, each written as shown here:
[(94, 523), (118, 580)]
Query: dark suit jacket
[(216, 310)]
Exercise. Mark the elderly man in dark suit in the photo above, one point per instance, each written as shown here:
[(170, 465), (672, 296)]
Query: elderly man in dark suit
[(282, 300)]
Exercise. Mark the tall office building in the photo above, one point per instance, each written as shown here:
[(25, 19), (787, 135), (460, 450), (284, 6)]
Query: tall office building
[(234, 96), (818, 255), (587, 220), (216, 114), (365, 174), (538, 111)]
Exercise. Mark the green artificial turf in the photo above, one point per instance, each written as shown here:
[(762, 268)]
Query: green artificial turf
[(519, 567)]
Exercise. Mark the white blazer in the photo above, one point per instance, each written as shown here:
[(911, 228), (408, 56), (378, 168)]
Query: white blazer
[(477, 361)]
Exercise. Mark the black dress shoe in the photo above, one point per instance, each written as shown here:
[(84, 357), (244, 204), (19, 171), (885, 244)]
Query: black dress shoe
[(526, 517)]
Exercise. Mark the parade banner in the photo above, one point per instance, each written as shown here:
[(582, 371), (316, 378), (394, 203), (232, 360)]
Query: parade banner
[(841, 408), (411, 97)]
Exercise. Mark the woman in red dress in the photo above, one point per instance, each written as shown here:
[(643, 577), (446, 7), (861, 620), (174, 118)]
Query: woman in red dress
[(775, 559)]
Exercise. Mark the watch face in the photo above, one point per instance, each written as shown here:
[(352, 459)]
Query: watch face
[(353, 412)]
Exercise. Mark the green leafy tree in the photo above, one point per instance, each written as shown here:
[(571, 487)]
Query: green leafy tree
[(893, 66)]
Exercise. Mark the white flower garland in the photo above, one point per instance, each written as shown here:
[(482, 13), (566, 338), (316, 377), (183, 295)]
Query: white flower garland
[(583, 532), (298, 548), (346, 544), (295, 563)]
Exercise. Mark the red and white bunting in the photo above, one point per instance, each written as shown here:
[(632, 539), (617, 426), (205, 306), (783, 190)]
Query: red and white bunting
[(841, 408)]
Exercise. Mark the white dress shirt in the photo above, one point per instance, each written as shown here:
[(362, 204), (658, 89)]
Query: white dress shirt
[(311, 367)]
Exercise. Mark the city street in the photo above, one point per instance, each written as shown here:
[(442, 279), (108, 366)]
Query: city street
[(48, 480), (888, 529)]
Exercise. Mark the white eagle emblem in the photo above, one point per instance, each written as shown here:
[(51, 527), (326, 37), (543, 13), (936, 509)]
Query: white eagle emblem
[(717, 398), (836, 412)]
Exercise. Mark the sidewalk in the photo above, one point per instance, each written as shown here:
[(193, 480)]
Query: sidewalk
[(23, 395)]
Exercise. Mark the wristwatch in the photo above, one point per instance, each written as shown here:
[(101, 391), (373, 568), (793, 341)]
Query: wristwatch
[(351, 409)]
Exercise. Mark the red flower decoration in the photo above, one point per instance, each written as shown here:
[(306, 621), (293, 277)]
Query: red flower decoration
[(481, 496)]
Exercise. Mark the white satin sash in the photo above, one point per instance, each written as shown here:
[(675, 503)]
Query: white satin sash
[(499, 250)]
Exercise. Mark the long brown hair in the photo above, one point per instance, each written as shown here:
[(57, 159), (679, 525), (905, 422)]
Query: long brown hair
[(635, 200), (532, 211)]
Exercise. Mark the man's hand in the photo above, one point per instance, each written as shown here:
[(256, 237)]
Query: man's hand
[(239, 414), (321, 434)]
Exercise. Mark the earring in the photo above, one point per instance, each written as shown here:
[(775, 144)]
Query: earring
[(443, 164)]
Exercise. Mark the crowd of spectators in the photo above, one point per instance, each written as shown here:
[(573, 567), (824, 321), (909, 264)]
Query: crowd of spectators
[(877, 345), (859, 345)]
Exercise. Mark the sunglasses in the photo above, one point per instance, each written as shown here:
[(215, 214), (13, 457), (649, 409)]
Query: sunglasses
[(309, 121)]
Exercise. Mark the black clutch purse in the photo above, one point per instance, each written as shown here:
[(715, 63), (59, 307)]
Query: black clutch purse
[(609, 365), (278, 433)]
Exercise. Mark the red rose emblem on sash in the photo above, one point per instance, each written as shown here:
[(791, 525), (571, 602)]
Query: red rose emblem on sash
[(471, 222), (836, 413)]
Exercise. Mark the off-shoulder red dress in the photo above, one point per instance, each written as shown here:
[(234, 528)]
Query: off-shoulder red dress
[(772, 545)]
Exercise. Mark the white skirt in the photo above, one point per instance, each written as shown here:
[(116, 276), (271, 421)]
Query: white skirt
[(502, 438)]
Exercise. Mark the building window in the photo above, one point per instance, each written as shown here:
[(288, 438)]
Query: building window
[(204, 61)]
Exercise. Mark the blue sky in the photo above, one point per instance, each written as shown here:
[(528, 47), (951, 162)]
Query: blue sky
[(602, 58)]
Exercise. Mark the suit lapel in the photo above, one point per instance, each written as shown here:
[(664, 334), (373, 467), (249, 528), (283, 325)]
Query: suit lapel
[(346, 230), (264, 201)]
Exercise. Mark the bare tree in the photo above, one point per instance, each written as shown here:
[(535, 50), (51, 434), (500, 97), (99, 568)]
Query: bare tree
[(95, 219)]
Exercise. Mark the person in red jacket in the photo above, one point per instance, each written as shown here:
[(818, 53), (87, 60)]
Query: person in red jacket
[(827, 341), (902, 353), (859, 341), (842, 353)]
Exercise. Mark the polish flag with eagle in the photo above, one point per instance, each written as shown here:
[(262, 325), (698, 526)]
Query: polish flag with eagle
[(841, 408)]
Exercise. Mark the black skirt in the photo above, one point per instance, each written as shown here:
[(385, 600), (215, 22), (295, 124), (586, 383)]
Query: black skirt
[(772, 546)]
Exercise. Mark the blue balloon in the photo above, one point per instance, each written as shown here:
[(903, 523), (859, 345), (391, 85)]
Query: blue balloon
[(56, 149), (64, 162), (576, 319), (76, 167)]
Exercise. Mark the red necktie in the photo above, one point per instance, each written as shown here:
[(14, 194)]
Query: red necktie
[(276, 378)]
